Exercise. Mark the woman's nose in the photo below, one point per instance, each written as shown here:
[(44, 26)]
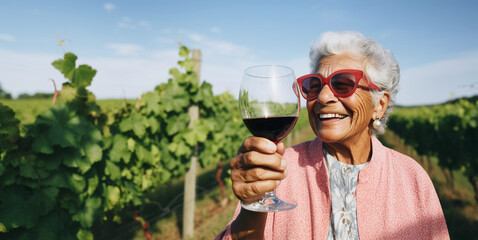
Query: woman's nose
[(326, 95)]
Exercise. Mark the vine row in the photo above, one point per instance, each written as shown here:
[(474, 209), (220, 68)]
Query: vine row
[(448, 131), (78, 165)]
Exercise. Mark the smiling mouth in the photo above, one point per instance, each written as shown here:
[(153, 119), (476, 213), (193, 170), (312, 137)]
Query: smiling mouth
[(330, 116)]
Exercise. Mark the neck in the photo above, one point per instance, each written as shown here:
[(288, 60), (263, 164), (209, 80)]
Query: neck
[(354, 151)]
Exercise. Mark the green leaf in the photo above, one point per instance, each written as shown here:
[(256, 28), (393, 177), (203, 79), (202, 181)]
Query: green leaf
[(28, 170), (131, 144), (112, 195), (40, 140), (77, 183), (142, 153), (87, 215), (112, 170), (134, 122), (184, 51), (175, 98), (66, 65), (17, 209), (62, 125), (45, 199), (153, 124), (93, 152), (150, 101), (179, 148), (84, 234), (57, 180), (155, 155), (164, 176), (67, 93), (187, 64), (92, 184), (176, 123), (72, 158), (82, 76), (120, 149), (190, 137), (205, 95), (176, 74), (9, 129)]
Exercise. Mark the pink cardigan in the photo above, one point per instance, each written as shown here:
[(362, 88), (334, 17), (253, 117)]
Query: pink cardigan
[(395, 198)]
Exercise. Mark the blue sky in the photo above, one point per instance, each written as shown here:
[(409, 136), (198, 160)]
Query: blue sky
[(133, 44)]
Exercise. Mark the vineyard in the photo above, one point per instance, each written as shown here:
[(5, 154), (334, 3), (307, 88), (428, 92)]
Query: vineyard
[(448, 132), (81, 168), (76, 165)]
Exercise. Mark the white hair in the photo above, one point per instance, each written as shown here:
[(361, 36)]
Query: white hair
[(380, 65)]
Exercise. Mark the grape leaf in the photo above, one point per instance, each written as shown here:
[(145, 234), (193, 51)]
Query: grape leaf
[(17, 209), (112, 170), (77, 182), (86, 216), (66, 65), (120, 149), (184, 51), (82, 76), (112, 196)]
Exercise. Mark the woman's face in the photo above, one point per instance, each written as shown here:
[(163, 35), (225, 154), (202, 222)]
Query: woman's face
[(338, 120)]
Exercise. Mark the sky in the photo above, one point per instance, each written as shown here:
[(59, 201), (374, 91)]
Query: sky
[(133, 44)]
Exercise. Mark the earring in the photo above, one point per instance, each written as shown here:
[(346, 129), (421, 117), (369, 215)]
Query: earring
[(377, 124)]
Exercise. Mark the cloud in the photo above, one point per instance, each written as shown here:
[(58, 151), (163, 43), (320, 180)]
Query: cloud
[(440, 81), (215, 30), (125, 49), (144, 23), (216, 46), (7, 37), (196, 37), (166, 40), (109, 7), (129, 23), (126, 22)]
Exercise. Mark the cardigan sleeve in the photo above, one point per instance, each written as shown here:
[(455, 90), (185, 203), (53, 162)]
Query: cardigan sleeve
[(433, 218)]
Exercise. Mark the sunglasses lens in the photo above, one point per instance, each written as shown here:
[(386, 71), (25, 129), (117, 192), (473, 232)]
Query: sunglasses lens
[(311, 87), (343, 83)]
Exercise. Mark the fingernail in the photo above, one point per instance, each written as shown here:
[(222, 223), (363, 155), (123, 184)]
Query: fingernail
[(277, 183), (272, 147), (283, 164)]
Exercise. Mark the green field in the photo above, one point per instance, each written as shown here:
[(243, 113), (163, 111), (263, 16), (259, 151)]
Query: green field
[(26, 110)]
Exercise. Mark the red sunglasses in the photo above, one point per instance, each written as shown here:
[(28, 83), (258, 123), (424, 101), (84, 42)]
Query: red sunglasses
[(343, 83)]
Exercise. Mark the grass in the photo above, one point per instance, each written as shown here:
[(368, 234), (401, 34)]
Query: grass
[(26, 110)]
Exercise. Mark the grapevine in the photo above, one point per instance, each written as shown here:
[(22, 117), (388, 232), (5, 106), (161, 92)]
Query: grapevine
[(448, 131), (77, 165)]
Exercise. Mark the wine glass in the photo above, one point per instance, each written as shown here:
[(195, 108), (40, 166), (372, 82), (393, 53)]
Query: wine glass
[(269, 105)]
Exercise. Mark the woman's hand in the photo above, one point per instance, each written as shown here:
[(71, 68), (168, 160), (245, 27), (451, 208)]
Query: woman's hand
[(257, 168)]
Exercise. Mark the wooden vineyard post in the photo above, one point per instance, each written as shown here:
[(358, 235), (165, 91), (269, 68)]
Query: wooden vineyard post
[(190, 179)]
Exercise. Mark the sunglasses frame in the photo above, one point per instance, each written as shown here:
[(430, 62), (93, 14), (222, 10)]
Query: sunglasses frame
[(358, 74)]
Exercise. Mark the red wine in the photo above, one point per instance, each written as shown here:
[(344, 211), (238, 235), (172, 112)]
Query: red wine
[(272, 128)]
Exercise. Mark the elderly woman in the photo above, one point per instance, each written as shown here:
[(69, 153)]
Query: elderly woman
[(346, 183)]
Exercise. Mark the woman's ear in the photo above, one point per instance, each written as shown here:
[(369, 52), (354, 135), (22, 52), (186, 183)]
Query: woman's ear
[(382, 105)]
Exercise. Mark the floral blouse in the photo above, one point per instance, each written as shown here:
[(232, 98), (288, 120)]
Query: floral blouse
[(343, 181)]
